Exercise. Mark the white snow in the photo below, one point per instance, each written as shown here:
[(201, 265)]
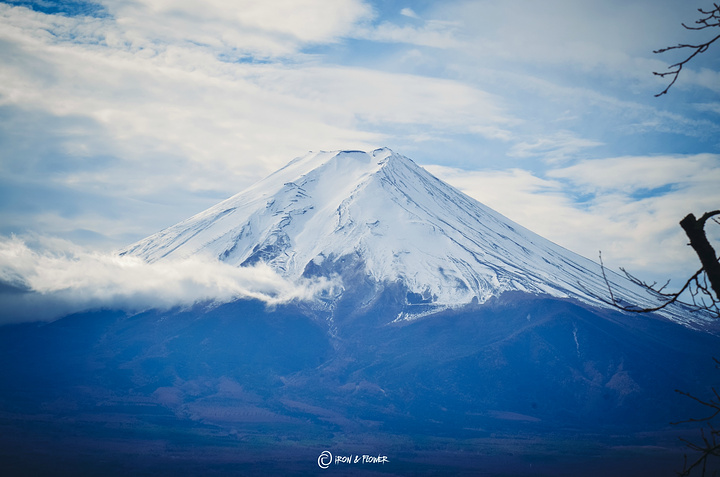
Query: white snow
[(401, 221)]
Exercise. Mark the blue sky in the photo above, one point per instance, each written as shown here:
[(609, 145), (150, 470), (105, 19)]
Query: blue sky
[(119, 118)]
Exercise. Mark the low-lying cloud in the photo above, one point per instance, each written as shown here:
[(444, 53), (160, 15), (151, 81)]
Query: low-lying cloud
[(44, 279)]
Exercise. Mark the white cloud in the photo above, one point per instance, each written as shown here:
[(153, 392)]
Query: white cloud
[(584, 33), (61, 278), (557, 147), (434, 34), (712, 107), (268, 28), (382, 98), (408, 12), (554, 112), (631, 174), (703, 77)]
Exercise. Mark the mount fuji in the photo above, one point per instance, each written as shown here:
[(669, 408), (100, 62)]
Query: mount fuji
[(449, 341), (378, 213)]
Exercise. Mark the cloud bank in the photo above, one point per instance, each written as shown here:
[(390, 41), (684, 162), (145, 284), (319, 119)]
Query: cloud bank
[(44, 279)]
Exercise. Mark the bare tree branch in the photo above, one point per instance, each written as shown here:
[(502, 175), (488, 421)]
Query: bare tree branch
[(710, 20), (695, 294), (694, 286), (707, 215), (712, 403), (708, 448), (709, 445)]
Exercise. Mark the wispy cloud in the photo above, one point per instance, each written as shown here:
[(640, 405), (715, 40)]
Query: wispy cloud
[(711, 107), (634, 174), (60, 278), (266, 29), (555, 148), (436, 34), (563, 32), (408, 12), (704, 77)]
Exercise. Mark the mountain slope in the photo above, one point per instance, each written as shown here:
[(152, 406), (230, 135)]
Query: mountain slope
[(335, 212)]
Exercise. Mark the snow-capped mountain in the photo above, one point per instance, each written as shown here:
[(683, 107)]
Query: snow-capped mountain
[(325, 212), (250, 389)]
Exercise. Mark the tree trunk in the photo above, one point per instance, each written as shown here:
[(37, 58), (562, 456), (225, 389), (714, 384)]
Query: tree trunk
[(695, 230)]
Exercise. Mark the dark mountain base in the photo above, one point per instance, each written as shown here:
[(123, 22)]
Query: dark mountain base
[(520, 386), (32, 448)]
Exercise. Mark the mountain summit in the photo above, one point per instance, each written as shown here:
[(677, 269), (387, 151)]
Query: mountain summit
[(380, 215)]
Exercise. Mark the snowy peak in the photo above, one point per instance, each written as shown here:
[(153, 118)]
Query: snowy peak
[(380, 213)]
